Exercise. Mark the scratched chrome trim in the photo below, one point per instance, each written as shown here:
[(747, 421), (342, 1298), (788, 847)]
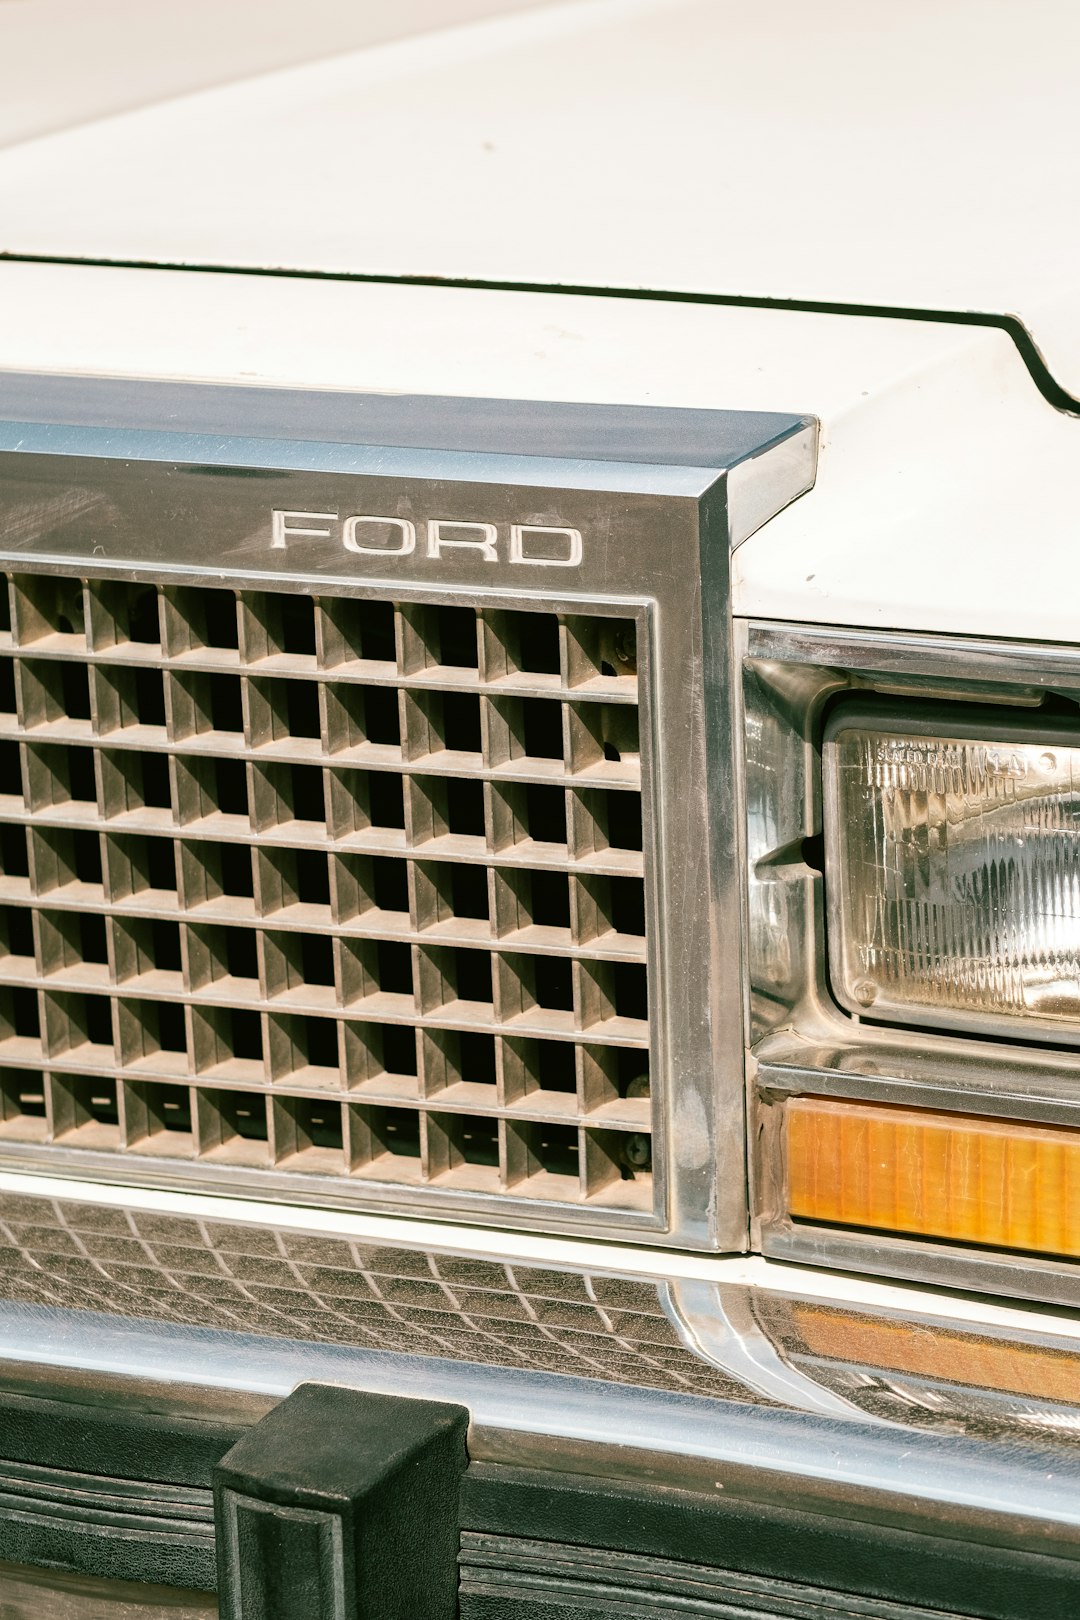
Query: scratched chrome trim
[(718, 1323), (1009, 1487)]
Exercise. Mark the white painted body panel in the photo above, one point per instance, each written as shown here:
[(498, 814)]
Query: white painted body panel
[(919, 156), (946, 495)]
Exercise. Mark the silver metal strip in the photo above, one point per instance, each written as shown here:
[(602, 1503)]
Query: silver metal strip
[(719, 1324), (909, 1469)]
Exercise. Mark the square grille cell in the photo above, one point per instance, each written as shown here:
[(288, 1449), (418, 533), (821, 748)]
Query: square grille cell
[(368, 799)]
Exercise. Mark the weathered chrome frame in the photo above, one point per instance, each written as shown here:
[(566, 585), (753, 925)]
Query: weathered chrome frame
[(802, 1041), (178, 484)]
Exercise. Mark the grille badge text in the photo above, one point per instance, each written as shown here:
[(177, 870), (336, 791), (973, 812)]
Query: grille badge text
[(538, 545)]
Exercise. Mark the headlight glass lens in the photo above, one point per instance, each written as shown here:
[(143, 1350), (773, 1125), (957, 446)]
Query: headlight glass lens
[(953, 872)]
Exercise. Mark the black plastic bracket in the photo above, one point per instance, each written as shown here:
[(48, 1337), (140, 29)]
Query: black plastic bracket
[(341, 1505)]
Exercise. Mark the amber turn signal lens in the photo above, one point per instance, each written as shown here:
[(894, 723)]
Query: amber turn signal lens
[(939, 1353), (935, 1174)]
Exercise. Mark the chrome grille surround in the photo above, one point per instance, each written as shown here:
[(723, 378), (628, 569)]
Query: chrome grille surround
[(347, 857)]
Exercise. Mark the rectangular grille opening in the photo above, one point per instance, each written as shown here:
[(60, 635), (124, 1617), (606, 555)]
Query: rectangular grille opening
[(287, 794), (299, 967), (541, 1076), (538, 990), (443, 723), (55, 693), (279, 626), (372, 890), (124, 615), (232, 1125), (159, 1120), (147, 949), (615, 1158), (60, 776), (448, 808), (378, 973), (14, 860), (369, 805), (535, 904), (86, 1111), (16, 938), (333, 888), (603, 735), (223, 961), (385, 1143), (136, 783), (20, 1024), (616, 1083), (530, 814), (457, 982), (526, 735), (23, 1113), (205, 705), (79, 1024), (601, 651), (309, 1136), (357, 631), (228, 1043), (153, 1035), (543, 1159), (218, 877), (284, 710), (304, 1052), (67, 860), (142, 869), (453, 896), (460, 1066), (5, 604), (49, 613), (607, 820), (74, 945), (456, 637), (463, 1151), (11, 778), (612, 906), (381, 1058), (533, 642), (617, 993), (213, 791), (202, 621)]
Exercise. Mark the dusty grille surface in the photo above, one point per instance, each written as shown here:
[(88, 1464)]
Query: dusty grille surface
[(341, 888), (334, 1290)]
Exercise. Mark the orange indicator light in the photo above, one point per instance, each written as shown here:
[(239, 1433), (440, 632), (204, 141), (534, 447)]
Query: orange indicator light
[(935, 1174), (932, 1352)]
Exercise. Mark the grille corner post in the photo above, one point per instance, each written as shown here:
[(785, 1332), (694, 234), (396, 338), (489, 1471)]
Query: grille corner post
[(342, 1505)]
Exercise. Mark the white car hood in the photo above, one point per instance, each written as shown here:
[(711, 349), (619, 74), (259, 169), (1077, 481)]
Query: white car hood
[(913, 158)]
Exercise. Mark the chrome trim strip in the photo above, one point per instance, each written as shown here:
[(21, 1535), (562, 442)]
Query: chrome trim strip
[(719, 1324), (1024, 1487)]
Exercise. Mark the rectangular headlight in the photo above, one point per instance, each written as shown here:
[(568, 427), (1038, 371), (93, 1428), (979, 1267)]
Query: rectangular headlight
[(953, 871)]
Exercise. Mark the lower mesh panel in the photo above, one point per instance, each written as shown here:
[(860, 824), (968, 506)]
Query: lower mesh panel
[(342, 888)]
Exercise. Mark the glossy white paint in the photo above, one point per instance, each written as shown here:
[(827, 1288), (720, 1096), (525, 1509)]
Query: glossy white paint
[(914, 156), (946, 495), (65, 63)]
